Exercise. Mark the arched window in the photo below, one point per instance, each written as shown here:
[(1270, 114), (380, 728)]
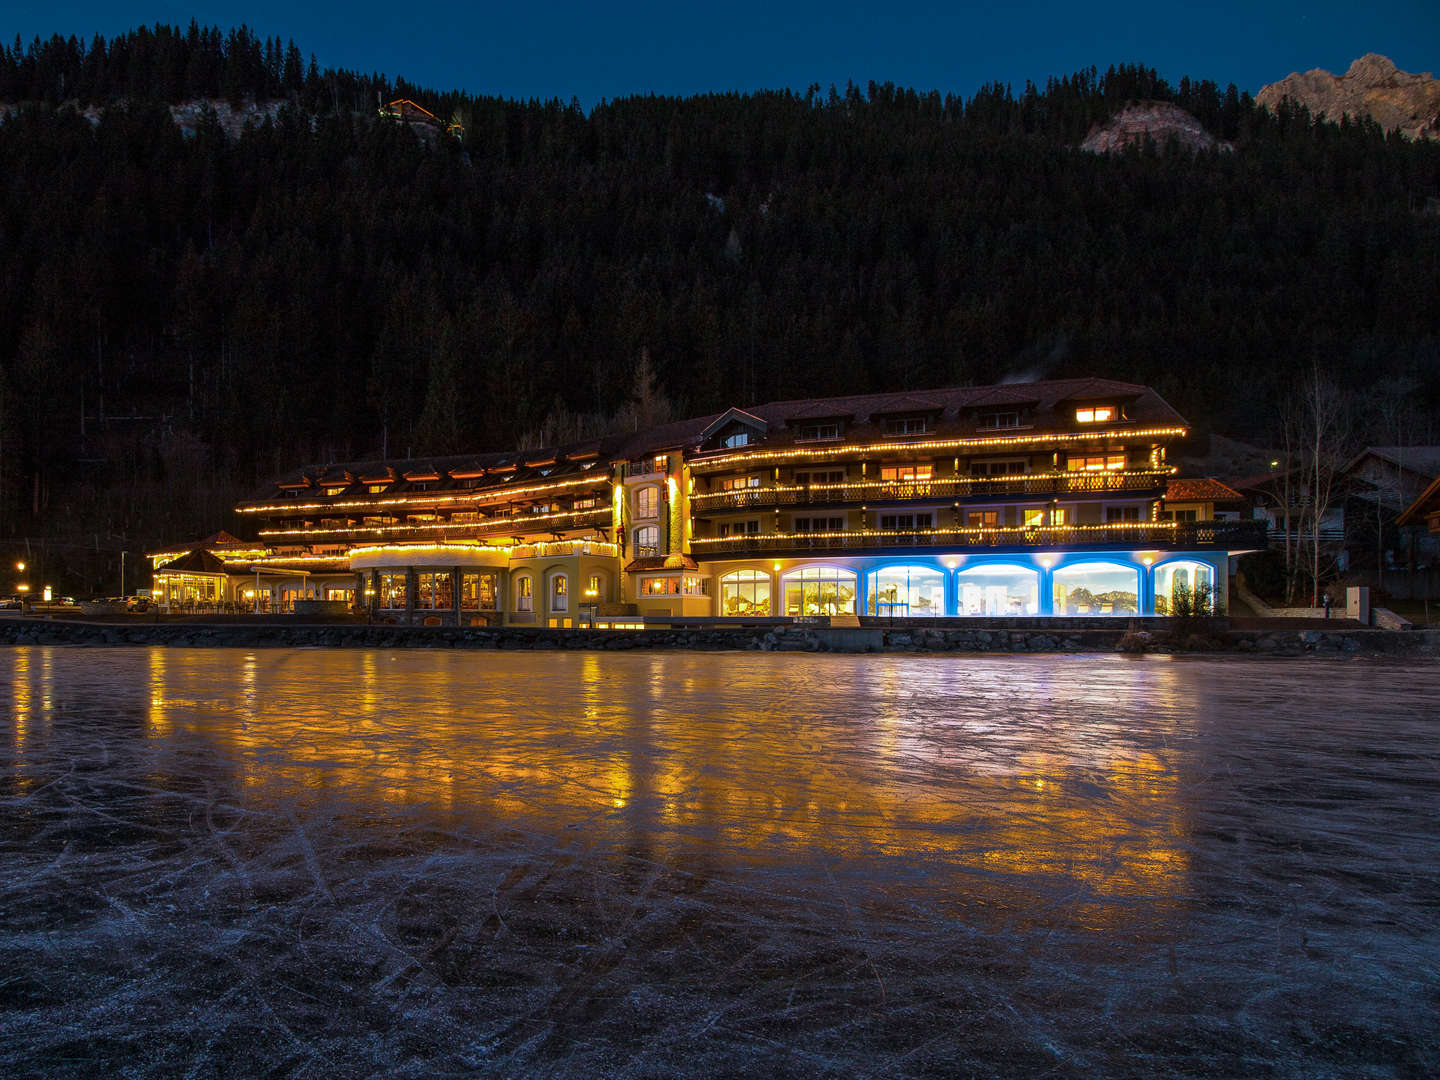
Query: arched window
[(745, 592), (560, 592), (1184, 587), (1097, 588), (998, 589), (820, 590), (647, 502), (524, 593), (647, 541), (907, 590)]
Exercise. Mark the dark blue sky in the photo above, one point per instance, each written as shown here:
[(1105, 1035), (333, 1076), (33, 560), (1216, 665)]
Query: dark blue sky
[(589, 50)]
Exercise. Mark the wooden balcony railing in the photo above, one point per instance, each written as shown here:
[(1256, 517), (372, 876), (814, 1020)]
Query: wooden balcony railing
[(1231, 535), (500, 525), (1045, 485)]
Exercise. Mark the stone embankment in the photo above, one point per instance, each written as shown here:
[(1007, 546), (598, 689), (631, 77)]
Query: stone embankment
[(910, 639)]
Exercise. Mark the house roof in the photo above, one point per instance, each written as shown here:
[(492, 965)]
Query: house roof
[(1423, 460), (954, 409), (198, 561), (1200, 489), (1428, 503)]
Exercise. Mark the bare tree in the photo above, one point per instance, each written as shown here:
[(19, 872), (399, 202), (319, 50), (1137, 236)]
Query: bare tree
[(1326, 438)]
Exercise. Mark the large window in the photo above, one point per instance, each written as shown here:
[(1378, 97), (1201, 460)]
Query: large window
[(739, 483), (480, 592), (1097, 588), (907, 590), (434, 591), (392, 591), (1097, 414), (998, 589), (820, 590), (738, 438), (906, 472), (906, 522), (524, 593), (907, 425), (647, 541), (1095, 462), (647, 502), (560, 593), (675, 585), (1187, 587), (745, 592), (1006, 467), (818, 432)]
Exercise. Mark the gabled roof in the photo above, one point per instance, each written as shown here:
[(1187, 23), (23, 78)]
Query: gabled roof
[(1422, 460), (1200, 489), (908, 403), (735, 415), (1428, 503), (198, 561)]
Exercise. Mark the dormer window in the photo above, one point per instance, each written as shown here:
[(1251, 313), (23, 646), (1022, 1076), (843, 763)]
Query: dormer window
[(1096, 414), (819, 432), (419, 485), (377, 489), (993, 420), (737, 438), (907, 425)]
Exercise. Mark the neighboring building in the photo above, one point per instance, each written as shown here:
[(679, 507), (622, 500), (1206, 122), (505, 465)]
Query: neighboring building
[(1029, 499), (1377, 485)]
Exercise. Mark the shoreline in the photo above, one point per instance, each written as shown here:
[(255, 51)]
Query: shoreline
[(1288, 640)]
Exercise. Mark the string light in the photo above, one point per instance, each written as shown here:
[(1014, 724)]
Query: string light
[(439, 498), (881, 486), (488, 523), (1004, 530), (937, 444)]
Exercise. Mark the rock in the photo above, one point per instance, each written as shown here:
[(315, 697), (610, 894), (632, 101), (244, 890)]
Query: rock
[(1373, 87), (1155, 121)]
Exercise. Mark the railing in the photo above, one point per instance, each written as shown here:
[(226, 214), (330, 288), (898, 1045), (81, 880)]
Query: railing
[(562, 548), (1037, 484), (501, 525), (1159, 534)]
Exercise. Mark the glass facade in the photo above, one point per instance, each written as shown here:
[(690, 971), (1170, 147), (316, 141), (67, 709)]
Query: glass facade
[(820, 590), (745, 592), (998, 589), (912, 591), (1097, 588)]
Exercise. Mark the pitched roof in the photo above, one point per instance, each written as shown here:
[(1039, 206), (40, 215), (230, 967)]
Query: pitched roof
[(1200, 489), (1424, 460), (1426, 504), (198, 561)]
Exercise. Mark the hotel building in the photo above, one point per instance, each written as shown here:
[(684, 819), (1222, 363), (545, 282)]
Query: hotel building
[(1033, 499)]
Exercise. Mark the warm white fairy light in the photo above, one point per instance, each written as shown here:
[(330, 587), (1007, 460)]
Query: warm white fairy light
[(486, 523), (938, 444), (463, 497), (921, 487)]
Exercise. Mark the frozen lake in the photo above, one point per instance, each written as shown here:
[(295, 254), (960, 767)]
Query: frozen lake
[(297, 863)]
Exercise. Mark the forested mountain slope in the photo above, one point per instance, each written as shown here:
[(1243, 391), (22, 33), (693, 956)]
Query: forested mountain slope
[(327, 283)]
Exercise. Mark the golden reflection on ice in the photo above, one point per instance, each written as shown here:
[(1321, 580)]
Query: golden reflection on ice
[(994, 772)]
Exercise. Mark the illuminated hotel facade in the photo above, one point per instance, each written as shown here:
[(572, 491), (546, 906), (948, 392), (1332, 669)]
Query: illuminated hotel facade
[(1036, 499)]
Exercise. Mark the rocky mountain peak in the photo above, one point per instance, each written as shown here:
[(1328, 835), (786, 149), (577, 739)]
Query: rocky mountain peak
[(1158, 121), (1372, 87)]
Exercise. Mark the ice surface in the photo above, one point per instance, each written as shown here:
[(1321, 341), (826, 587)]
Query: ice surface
[(296, 863)]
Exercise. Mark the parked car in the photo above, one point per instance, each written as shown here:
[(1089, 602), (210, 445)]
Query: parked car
[(137, 603), (11, 603)]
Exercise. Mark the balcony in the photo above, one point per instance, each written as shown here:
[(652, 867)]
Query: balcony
[(1229, 535), (500, 525), (950, 489)]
